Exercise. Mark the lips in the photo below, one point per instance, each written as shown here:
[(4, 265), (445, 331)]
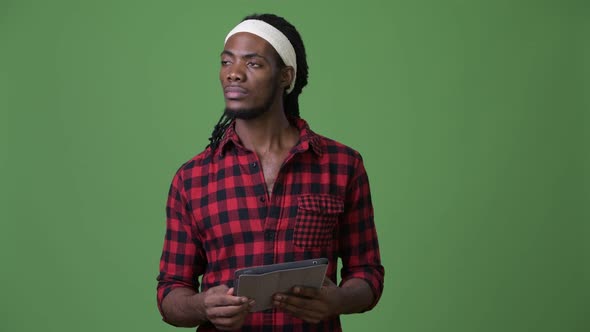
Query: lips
[(234, 92)]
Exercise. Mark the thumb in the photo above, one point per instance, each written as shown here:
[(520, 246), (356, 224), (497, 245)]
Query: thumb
[(221, 289), (230, 291), (328, 282)]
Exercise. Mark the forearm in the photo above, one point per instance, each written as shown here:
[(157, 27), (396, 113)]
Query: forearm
[(355, 296), (184, 307)]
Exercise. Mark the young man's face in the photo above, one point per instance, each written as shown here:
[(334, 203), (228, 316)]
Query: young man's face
[(250, 76)]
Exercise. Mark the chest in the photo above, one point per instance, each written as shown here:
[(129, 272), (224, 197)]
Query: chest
[(271, 165), (236, 198)]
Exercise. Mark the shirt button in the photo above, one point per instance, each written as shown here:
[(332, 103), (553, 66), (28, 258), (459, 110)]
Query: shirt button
[(262, 198), (253, 165), (269, 235)]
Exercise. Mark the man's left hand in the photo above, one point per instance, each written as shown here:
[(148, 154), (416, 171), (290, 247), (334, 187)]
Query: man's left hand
[(310, 304)]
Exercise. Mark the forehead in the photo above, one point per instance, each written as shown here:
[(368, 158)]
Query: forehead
[(247, 43)]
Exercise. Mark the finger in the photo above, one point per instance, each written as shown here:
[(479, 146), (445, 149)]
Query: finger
[(221, 289), (227, 311), (306, 291), (229, 324), (230, 291), (282, 301), (310, 309), (217, 300), (304, 313)]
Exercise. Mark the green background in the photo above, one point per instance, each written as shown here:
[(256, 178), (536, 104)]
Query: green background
[(472, 118)]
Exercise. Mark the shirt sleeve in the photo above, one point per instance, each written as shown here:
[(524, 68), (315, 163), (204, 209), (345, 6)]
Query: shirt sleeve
[(183, 258), (359, 247)]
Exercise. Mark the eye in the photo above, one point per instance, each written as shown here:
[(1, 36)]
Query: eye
[(254, 64), (225, 62)]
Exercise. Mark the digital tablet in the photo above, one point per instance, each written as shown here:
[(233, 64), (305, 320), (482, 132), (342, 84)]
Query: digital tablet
[(262, 282)]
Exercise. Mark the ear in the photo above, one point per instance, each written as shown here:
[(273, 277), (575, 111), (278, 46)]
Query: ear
[(287, 74)]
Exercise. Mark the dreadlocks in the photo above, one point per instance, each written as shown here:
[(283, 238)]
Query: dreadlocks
[(291, 100)]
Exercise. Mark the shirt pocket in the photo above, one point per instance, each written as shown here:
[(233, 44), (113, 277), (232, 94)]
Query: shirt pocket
[(316, 217)]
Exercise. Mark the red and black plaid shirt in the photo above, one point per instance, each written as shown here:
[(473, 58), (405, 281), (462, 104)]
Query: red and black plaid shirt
[(221, 218)]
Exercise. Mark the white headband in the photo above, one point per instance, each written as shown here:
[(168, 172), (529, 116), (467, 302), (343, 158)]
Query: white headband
[(274, 37)]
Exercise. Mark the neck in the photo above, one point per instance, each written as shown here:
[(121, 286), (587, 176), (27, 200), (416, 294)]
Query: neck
[(267, 133)]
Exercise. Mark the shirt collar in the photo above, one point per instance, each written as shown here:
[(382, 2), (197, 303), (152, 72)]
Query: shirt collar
[(307, 138)]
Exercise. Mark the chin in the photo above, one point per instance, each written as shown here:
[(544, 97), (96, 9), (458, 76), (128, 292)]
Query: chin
[(245, 113)]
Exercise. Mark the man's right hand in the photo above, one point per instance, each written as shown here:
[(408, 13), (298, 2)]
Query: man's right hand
[(224, 310)]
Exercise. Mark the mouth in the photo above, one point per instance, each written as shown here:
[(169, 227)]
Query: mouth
[(234, 92)]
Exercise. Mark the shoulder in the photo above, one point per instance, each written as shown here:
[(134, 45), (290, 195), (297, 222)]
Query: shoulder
[(195, 166), (324, 146), (333, 149)]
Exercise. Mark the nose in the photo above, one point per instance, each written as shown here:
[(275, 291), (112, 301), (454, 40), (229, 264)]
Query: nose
[(235, 73)]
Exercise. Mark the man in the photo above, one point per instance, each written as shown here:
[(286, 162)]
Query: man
[(267, 190)]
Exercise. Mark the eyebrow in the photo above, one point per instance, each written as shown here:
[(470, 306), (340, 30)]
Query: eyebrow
[(247, 56)]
